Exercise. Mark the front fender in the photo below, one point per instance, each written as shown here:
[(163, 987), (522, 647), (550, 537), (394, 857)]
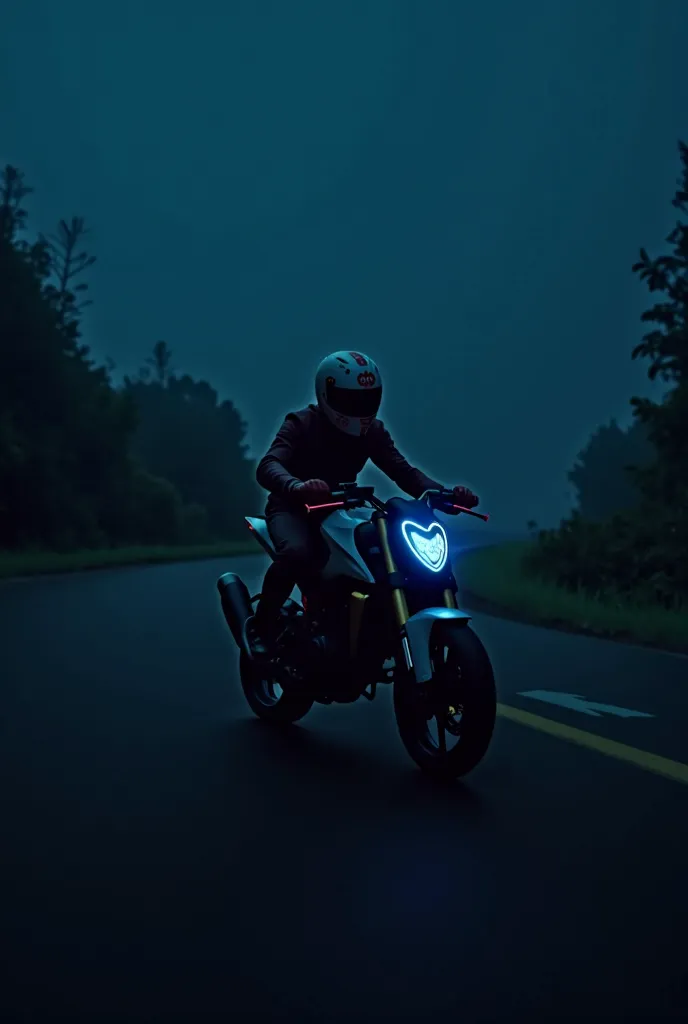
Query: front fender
[(418, 630)]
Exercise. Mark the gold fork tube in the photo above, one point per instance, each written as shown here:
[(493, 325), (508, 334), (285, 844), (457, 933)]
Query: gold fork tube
[(356, 608), (398, 596)]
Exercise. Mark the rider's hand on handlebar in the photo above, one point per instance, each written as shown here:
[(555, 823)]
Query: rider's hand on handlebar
[(464, 496), (312, 490)]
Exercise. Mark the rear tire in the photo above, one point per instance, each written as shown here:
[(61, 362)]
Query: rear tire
[(260, 693), (463, 669)]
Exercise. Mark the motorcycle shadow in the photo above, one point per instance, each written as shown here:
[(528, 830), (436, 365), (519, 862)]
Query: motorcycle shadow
[(348, 771)]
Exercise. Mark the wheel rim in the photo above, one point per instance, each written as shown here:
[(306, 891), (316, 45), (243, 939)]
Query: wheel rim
[(440, 732), (266, 688)]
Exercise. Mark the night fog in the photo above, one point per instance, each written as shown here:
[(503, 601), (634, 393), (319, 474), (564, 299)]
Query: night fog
[(458, 189)]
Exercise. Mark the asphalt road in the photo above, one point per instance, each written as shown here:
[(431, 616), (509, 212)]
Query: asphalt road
[(166, 857)]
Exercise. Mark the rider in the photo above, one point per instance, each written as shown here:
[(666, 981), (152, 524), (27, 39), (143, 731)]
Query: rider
[(315, 449)]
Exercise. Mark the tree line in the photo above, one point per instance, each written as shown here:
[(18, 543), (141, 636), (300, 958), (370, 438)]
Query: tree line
[(628, 536), (83, 463)]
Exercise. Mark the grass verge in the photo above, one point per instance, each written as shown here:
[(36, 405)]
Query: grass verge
[(33, 563), (493, 580)]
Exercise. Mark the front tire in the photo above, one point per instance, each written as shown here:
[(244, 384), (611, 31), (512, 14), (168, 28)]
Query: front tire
[(462, 682), (266, 699)]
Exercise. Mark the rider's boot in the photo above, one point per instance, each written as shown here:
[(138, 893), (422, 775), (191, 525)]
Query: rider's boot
[(261, 631), (262, 627)]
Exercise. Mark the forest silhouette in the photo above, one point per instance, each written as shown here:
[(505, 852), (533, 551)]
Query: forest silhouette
[(83, 463)]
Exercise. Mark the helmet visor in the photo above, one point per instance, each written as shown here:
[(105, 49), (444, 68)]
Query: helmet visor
[(355, 402)]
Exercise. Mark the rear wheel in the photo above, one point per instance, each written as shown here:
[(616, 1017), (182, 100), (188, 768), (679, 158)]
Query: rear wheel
[(446, 724), (266, 698)]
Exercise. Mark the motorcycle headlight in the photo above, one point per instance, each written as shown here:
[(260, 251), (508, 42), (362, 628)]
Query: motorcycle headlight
[(428, 543)]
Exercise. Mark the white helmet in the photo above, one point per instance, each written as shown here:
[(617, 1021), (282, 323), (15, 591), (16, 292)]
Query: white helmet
[(348, 387)]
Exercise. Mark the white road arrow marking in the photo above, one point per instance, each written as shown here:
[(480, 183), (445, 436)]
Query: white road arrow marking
[(575, 702)]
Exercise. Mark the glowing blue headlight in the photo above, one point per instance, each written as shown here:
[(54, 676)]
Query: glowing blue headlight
[(428, 543)]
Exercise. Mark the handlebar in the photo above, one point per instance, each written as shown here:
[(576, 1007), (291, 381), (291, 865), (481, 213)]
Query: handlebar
[(443, 501), (353, 496), (348, 496)]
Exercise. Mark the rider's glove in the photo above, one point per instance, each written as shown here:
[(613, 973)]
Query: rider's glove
[(464, 496), (311, 489)]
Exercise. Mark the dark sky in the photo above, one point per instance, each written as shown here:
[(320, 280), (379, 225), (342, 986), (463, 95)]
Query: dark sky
[(459, 189)]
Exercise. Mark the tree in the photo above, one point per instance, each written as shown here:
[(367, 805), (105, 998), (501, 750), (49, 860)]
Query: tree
[(13, 216), (602, 473), (160, 362), (642, 552), (67, 475), (82, 463), (67, 264), (666, 347), (190, 438)]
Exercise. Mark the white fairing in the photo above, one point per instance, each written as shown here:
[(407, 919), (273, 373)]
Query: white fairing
[(260, 528), (338, 532), (345, 560)]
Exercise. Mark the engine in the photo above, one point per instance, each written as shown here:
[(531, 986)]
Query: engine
[(321, 661)]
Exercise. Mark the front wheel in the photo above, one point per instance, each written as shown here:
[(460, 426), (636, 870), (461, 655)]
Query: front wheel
[(266, 698), (446, 724)]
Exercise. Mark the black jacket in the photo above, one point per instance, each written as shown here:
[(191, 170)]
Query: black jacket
[(309, 447)]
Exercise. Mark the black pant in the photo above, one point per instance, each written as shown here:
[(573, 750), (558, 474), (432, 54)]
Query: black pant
[(301, 554)]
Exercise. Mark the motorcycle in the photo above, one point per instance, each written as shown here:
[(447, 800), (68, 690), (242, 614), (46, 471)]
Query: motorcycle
[(384, 611)]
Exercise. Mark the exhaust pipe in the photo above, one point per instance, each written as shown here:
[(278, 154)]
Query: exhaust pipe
[(236, 604)]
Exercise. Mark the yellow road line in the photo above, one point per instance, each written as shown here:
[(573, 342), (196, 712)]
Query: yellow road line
[(641, 758)]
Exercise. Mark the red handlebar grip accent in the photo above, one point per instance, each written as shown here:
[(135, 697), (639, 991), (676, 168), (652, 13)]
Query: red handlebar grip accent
[(470, 512), (328, 504)]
